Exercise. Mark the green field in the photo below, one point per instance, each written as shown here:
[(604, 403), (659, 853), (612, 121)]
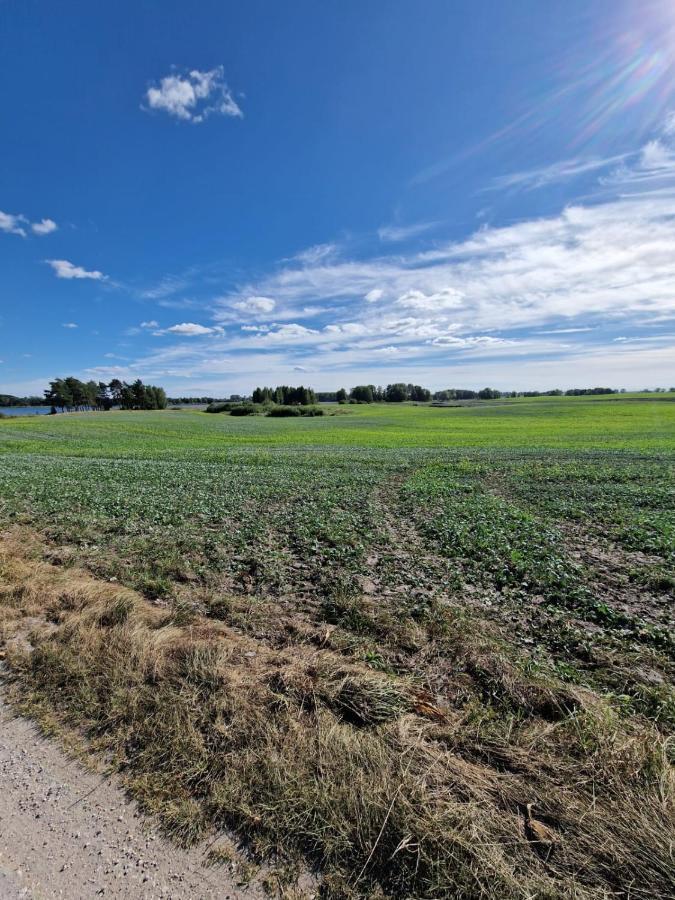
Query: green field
[(474, 603), (619, 421)]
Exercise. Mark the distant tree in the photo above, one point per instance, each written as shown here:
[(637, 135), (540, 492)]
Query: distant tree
[(341, 396), (362, 393), (464, 394), (116, 387), (59, 395), (396, 393), (103, 398), (418, 394), (91, 391)]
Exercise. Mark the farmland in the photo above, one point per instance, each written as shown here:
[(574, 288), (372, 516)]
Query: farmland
[(364, 641)]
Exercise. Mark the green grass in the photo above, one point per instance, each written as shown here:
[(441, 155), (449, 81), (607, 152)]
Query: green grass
[(623, 422), (510, 561)]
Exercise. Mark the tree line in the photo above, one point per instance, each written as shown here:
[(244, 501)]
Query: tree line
[(203, 401), (70, 394), (400, 392), (495, 394), (8, 400)]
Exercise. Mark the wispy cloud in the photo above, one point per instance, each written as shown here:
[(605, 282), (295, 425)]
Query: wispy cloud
[(166, 287), (393, 232), (65, 269), (193, 96), (563, 170), (317, 253), (69, 325), (613, 261), (564, 330)]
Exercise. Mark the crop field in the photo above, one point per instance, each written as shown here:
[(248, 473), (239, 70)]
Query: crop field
[(423, 652)]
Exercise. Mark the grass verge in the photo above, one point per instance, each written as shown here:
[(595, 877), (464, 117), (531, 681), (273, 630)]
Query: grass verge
[(308, 754)]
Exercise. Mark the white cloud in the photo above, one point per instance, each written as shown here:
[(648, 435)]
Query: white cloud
[(189, 328), (46, 226), (69, 325), (655, 155), (194, 96), (18, 224), (447, 298), (374, 295), (65, 269), (669, 123), (255, 305), (286, 334), (12, 224), (149, 324)]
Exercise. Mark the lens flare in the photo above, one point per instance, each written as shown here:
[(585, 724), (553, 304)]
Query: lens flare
[(619, 82)]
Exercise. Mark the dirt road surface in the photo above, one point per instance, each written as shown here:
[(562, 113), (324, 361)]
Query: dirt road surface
[(67, 832)]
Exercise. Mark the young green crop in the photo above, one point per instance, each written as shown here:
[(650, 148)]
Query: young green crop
[(495, 559)]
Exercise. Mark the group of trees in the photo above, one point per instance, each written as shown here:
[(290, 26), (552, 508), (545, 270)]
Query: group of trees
[(486, 393), (285, 395), (393, 393), (70, 394), (579, 392)]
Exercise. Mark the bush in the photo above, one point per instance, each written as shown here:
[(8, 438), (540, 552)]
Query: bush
[(278, 412), (219, 407), (245, 409)]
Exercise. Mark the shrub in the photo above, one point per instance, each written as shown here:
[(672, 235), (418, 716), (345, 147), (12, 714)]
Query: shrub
[(282, 411), (245, 409), (219, 407), (278, 412)]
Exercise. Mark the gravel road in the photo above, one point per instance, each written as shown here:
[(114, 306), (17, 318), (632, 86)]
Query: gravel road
[(66, 832)]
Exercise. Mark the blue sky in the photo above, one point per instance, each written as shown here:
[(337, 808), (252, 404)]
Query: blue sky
[(220, 195)]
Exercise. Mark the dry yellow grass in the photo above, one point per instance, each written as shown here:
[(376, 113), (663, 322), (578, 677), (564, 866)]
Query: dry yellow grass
[(310, 755)]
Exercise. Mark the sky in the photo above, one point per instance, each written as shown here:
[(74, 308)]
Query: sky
[(219, 195)]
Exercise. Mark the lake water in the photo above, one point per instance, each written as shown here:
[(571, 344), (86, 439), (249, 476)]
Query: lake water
[(24, 410)]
